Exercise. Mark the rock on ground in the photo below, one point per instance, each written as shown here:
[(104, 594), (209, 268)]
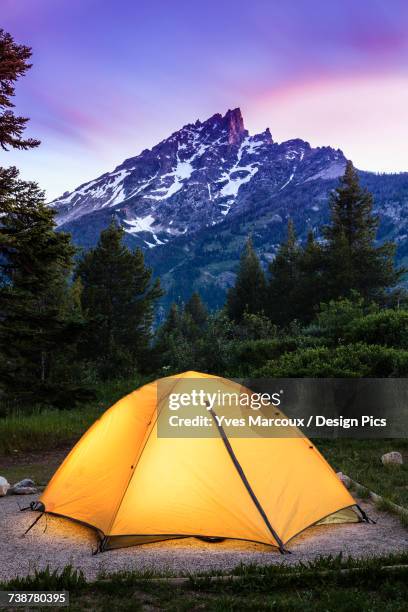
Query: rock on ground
[(392, 458), (346, 480), (21, 490), (4, 486), (26, 482)]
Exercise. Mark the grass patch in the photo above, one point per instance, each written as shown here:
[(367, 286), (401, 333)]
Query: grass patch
[(361, 460), (38, 469), (320, 585), (386, 506), (45, 428)]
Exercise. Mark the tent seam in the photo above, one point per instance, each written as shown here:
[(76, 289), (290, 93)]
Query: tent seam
[(137, 463)]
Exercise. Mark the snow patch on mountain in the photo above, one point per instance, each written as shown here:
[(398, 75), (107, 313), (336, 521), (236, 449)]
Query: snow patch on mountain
[(233, 184), (140, 224), (238, 175), (286, 183)]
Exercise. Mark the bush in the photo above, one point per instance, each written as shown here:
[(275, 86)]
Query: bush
[(247, 356), (389, 328), (255, 327), (349, 361), (254, 353), (334, 318)]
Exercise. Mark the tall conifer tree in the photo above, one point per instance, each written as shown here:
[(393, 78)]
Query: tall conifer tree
[(311, 289), (248, 293), (172, 321), (283, 285), (354, 261), (35, 262), (196, 309), (13, 64), (118, 298)]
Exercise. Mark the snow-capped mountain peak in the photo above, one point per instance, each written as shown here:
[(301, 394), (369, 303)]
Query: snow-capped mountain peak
[(197, 177), (191, 201)]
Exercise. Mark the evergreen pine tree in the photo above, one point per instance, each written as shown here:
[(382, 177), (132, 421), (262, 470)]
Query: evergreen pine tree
[(35, 262), (197, 310), (311, 283), (283, 287), (354, 262), (167, 339), (118, 298), (13, 64), (248, 293), (172, 321)]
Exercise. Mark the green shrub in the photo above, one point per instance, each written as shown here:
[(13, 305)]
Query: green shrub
[(254, 353), (388, 327), (255, 327), (348, 361), (334, 318), (249, 355)]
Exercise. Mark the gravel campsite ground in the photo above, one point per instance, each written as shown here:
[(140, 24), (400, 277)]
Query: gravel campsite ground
[(57, 542)]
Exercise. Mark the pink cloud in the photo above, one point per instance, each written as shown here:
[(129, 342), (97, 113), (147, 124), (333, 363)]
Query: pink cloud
[(363, 115)]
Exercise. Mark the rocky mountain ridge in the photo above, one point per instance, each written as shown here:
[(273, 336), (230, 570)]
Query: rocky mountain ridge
[(191, 201), (195, 178)]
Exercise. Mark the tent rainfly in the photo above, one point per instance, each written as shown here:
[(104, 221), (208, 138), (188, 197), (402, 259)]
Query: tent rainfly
[(135, 487)]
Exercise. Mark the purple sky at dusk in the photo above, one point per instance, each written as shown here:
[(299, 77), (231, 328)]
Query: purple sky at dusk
[(112, 77)]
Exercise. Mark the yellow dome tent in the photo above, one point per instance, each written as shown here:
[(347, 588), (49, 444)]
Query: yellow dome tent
[(134, 486)]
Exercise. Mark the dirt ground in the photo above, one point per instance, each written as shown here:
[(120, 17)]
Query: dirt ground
[(57, 542)]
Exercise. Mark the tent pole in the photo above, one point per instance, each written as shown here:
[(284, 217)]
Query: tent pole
[(248, 487)]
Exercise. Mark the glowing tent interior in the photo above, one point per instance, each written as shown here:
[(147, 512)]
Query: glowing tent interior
[(134, 486)]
